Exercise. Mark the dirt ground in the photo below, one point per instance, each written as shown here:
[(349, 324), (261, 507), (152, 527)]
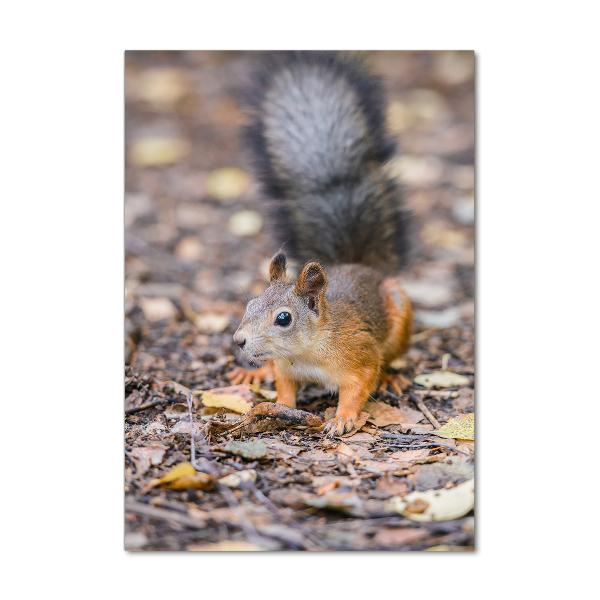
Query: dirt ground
[(196, 246)]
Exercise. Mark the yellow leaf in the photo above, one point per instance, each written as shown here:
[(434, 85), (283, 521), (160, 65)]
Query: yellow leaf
[(227, 183), (459, 428), (184, 468), (158, 150), (235, 397), (245, 223), (266, 394), (183, 476)]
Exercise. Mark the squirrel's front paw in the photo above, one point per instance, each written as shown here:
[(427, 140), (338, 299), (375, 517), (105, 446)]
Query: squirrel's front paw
[(338, 426), (255, 377)]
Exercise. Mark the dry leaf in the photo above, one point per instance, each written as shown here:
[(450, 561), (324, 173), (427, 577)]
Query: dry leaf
[(181, 477), (254, 450), (151, 454), (189, 248), (245, 223), (210, 322), (436, 505), (155, 309), (459, 428), (162, 87), (235, 480), (392, 487), (227, 183), (158, 150), (442, 379), (346, 502), (328, 487), (409, 455), (267, 416), (237, 398), (266, 394), (384, 414)]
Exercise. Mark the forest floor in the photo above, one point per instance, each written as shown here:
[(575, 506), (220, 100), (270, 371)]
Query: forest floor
[(196, 245)]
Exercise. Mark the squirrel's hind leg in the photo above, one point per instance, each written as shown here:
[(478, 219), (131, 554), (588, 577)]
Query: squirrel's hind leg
[(255, 376), (393, 382), (399, 317)]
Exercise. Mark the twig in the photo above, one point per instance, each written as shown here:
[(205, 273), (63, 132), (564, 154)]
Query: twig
[(206, 466), (421, 406), (145, 406), (237, 508), (162, 513), (426, 446), (402, 436), (308, 544)]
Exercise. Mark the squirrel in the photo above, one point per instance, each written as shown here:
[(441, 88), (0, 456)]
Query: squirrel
[(316, 129)]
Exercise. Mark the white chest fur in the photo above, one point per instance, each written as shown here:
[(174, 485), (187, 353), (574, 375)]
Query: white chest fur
[(304, 372)]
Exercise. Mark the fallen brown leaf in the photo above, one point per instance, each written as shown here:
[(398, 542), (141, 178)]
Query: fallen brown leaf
[(151, 454), (384, 414)]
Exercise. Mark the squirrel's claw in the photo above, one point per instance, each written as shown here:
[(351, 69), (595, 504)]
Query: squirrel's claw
[(338, 426)]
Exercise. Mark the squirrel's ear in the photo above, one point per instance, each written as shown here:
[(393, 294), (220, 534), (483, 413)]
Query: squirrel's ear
[(312, 283), (277, 267)]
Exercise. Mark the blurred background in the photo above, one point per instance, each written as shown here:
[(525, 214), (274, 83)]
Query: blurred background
[(195, 241)]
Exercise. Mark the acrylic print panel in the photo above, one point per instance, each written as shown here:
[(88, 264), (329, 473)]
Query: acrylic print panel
[(372, 342)]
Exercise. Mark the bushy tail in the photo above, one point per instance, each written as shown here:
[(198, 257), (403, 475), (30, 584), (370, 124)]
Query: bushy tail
[(318, 139)]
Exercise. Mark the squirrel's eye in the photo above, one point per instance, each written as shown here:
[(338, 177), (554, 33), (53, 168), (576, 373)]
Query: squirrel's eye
[(283, 319)]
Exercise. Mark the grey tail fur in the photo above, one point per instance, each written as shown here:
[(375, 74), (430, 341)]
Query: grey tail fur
[(318, 139)]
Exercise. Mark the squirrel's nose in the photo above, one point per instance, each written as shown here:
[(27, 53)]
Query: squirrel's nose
[(240, 340)]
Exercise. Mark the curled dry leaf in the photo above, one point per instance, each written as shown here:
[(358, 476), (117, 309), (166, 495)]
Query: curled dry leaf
[(267, 416), (459, 428), (237, 398), (436, 505), (235, 480), (442, 379), (181, 477)]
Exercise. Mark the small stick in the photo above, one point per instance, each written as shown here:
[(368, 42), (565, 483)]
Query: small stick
[(421, 406), (145, 406), (402, 436), (426, 446), (308, 544)]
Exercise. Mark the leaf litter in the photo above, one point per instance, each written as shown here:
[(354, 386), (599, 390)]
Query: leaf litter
[(307, 493)]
